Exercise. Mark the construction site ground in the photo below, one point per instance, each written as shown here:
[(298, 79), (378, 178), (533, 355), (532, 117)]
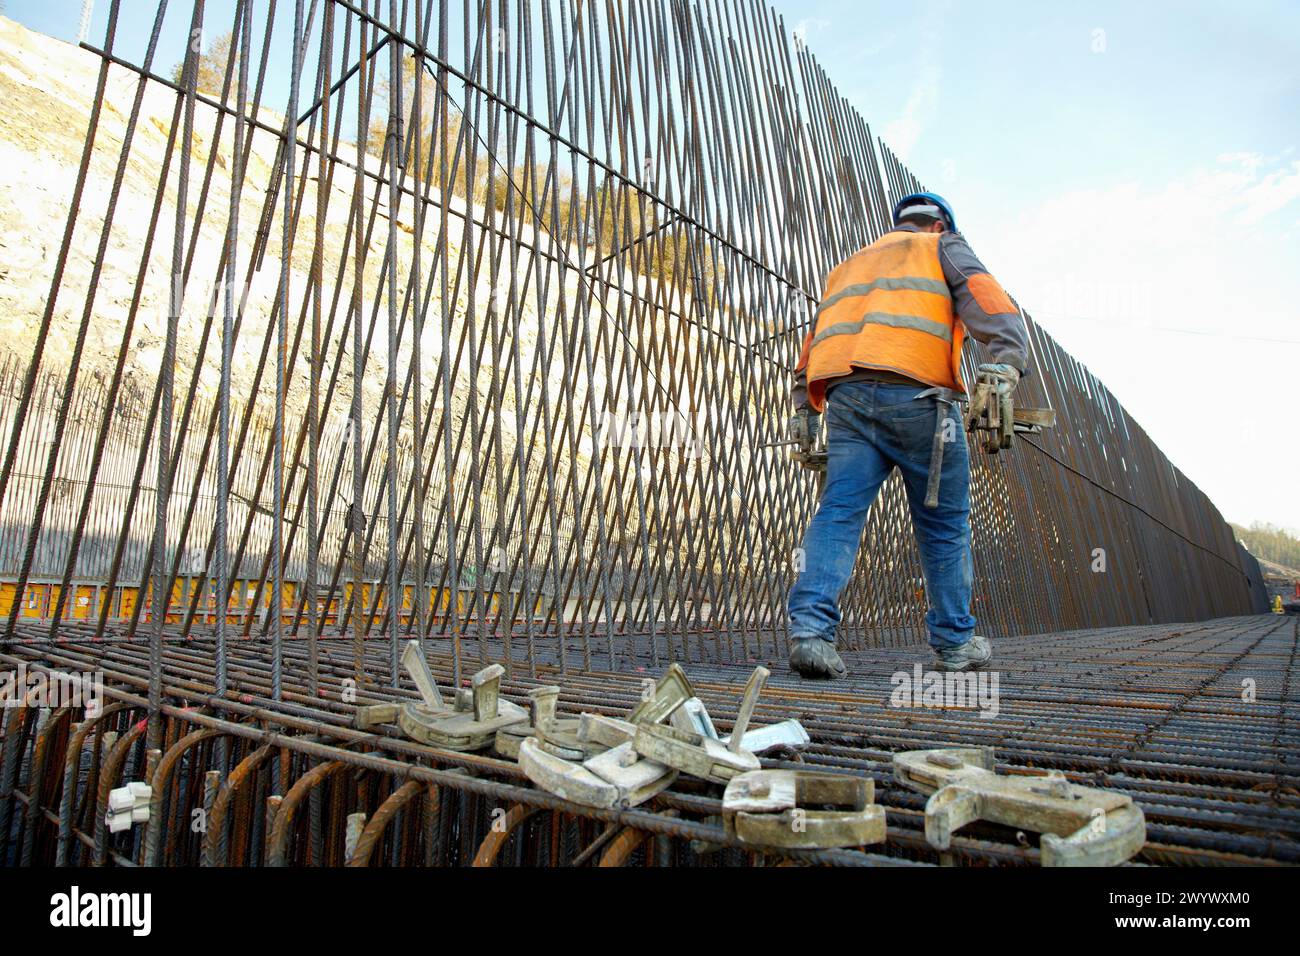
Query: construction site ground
[(1196, 722)]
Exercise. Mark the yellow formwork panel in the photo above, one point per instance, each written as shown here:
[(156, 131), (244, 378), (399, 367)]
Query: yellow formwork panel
[(37, 601), (83, 602)]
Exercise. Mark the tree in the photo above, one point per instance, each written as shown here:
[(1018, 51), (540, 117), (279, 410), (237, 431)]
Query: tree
[(614, 220), (1271, 543), (212, 66)]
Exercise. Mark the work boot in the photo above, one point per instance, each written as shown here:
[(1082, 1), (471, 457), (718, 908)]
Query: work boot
[(972, 655), (813, 657)]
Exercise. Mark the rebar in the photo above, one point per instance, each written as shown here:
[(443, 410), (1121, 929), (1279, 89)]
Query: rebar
[(539, 273), (621, 279), (1154, 712)]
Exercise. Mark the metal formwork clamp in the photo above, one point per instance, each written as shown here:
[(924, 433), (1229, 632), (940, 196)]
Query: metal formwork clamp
[(803, 810), (670, 692), (692, 753), (558, 736), (597, 764), (699, 755), (472, 724), (371, 716), (589, 735), (1081, 826), (694, 716), (785, 733), (607, 731), (618, 778)]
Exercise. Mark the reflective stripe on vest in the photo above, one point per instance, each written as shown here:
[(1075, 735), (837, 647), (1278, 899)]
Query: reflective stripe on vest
[(917, 322), (903, 284), (886, 307)]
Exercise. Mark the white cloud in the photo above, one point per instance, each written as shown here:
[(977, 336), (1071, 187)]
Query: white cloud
[(1274, 192), (902, 133), (807, 27), (1111, 271), (804, 30)]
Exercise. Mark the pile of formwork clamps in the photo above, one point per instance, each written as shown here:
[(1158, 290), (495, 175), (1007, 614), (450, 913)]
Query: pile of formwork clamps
[(604, 762)]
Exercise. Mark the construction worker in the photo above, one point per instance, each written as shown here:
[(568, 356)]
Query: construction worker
[(884, 361)]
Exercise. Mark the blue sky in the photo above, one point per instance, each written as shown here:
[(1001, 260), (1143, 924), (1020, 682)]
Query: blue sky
[(1130, 171)]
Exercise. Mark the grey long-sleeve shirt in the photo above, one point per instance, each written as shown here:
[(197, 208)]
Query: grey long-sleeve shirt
[(985, 311)]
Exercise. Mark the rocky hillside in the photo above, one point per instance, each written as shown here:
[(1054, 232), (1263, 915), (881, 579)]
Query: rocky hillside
[(46, 94)]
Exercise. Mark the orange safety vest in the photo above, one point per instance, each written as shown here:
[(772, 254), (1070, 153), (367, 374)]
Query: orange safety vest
[(886, 307)]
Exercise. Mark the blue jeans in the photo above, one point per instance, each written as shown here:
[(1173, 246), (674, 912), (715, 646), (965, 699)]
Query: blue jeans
[(871, 428)]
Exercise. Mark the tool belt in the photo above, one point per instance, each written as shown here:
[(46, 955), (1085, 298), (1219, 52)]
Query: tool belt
[(1001, 418), (880, 375)]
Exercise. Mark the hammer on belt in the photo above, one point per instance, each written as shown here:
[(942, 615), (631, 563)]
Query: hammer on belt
[(944, 399)]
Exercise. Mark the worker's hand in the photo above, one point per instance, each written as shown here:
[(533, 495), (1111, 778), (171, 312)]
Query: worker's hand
[(1002, 377), (805, 425), (991, 406)]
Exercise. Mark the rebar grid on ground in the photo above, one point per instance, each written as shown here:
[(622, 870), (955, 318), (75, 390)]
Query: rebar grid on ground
[(1197, 723)]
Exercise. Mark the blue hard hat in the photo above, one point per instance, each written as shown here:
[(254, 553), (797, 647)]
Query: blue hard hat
[(926, 199)]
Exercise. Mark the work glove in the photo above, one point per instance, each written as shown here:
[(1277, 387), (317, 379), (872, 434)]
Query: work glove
[(1002, 377), (991, 405), (805, 426)]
